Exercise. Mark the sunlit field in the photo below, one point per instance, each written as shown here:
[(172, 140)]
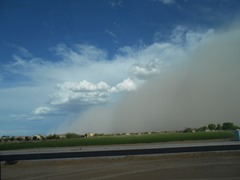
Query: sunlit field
[(126, 139)]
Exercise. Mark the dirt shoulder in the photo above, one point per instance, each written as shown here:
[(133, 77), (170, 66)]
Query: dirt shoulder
[(211, 165)]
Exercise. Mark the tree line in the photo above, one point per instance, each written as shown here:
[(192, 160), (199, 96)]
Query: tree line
[(209, 127), (214, 127)]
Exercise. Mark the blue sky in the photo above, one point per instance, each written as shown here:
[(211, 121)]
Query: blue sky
[(61, 58)]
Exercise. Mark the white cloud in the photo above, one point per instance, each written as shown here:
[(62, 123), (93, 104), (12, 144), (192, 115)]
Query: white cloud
[(18, 60), (85, 86), (83, 93), (28, 117), (24, 52), (115, 3), (111, 33), (80, 53), (126, 85), (182, 35), (157, 37), (86, 93), (42, 110), (178, 35), (166, 1), (144, 71)]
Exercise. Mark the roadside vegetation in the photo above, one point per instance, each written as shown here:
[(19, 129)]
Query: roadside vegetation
[(124, 139), (211, 131)]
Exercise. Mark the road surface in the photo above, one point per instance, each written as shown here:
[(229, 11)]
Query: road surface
[(217, 164)]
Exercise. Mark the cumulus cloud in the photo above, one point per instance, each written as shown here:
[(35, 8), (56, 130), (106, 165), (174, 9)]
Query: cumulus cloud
[(72, 96), (144, 71), (126, 85), (85, 86), (203, 88), (82, 93)]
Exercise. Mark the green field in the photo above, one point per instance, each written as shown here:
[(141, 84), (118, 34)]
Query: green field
[(109, 140)]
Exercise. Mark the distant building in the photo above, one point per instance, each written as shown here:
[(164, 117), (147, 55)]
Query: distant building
[(37, 137), (89, 134), (20, 138)]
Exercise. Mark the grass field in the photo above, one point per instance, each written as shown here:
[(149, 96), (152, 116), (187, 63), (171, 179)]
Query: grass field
[(109, 140)]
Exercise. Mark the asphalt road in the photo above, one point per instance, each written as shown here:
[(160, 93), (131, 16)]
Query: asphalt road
[(119, 150)]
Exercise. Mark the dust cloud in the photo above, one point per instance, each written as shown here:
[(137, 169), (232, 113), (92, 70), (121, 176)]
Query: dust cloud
[(201, 89)]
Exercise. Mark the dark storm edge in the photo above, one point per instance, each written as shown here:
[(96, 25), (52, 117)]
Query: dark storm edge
[(60, 155)]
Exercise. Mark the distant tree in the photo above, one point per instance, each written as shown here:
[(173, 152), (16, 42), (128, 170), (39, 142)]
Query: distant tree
[(5, 138), (44, 137), (28, 138), (72, 135), (236, 127), (12, 138), (227, 126), (187, 130), (56, 136), (212, 127), (219, 127), (50, 136), (53, 136), (36, 137), (20, 138), (102, 134), (204, 128)]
